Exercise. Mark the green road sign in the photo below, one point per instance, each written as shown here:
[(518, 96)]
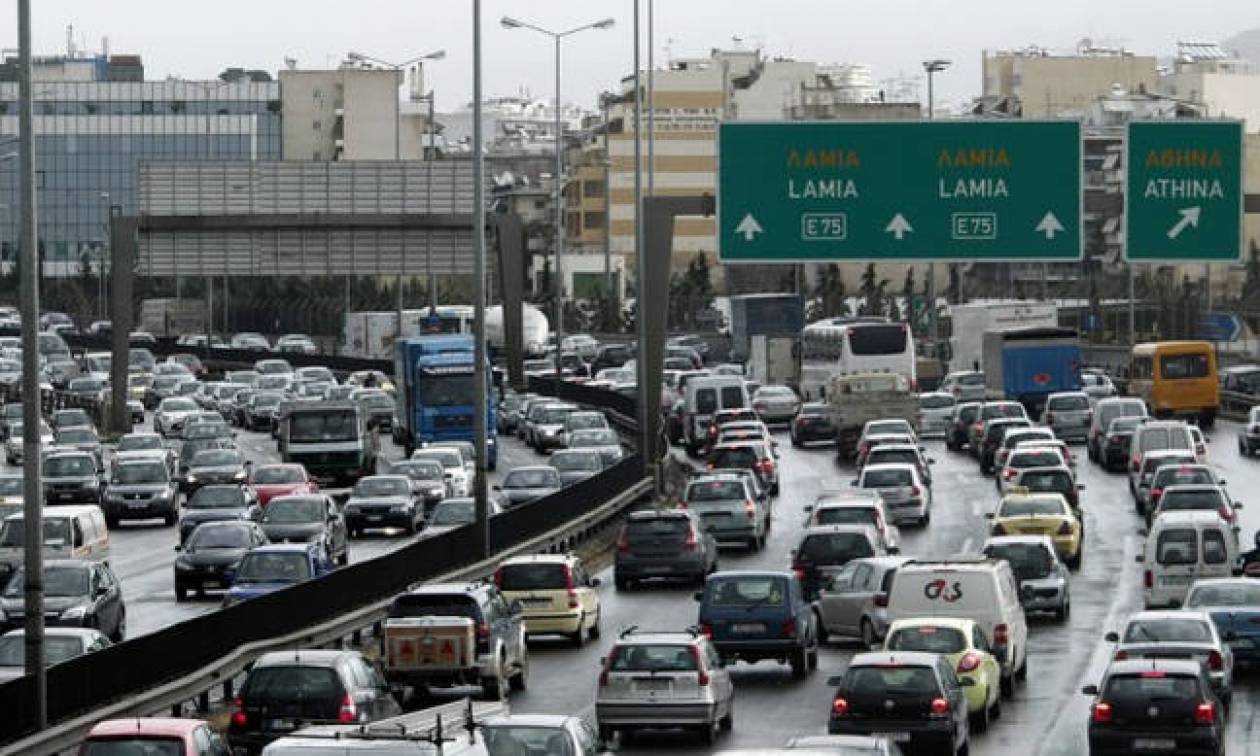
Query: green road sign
[(912, 190), (1184, 199)]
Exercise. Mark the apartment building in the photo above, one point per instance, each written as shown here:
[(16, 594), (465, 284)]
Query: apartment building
[(1054, 86)]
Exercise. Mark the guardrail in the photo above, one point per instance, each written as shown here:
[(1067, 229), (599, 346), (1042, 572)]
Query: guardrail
[(1236, 405), (185, 661)]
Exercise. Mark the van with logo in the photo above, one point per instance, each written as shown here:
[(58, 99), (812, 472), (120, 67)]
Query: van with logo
[(1176, 379), (1184, 546), (74, 531), (704, 397), (974, 587)]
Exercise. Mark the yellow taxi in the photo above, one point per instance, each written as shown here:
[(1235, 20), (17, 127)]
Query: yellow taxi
[(557, 596), (1021, 512), (962, 642)]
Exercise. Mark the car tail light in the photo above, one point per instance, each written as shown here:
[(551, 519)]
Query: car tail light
[(608, 663), (880, 600), (709, 465), (706, 630), (681, 505), (998, 530), (1227, 513), (483, 631), (1065, 529), (1008, 473), (1102, 713), (1121, 655), (978, 427), (1215, 662), (691, 542), (914, 490), (839, 707), (239, 717), (1148, 581), (498, 578), (623, 541), (1001, 635), (713, 431), (789, 628), (1205, 714), (1049, 418), (766, 465), (799, 569), (347, 712), (702, 675), (1133, 463), (569, 589), (750, 509), (940, 706), (969, 662)]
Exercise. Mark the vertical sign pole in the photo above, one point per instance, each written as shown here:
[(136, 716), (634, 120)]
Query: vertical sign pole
[(479, 296)]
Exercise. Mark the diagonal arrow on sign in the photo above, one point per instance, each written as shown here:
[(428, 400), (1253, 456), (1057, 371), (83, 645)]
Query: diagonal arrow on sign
[(1189, 217)]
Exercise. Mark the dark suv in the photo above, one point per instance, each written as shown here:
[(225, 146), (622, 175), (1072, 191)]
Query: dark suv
[(903, 692), (71, 478), (758, 615), (610, 356), (669, 544), (285, 690), (994, 433), (1155, 704)]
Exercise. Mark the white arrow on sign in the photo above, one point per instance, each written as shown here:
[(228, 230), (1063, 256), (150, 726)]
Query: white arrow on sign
[(749, 227), (1189, 217), (899, 227), (1049, 226)]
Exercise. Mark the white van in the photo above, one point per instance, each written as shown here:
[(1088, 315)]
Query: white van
[(703, 398), (1182, 547), (70, 532), (403, 735), (1156, 435), (974, 587)]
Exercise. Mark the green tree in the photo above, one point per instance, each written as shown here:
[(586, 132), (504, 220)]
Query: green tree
[(868, 290)]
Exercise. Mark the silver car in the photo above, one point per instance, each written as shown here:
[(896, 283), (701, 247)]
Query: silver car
[(907, 496), (728, 508), (964, 386), (1043, 579), (652, 680), (1180, 633), (1068, 413), (776, 404), (854, 602), (936, 413)]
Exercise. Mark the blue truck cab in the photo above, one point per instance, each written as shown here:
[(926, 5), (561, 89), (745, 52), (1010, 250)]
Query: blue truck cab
[(1028, 364), (436, 400)]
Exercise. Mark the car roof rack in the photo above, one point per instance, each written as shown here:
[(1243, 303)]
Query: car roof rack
[(431, 725), (630, 630)]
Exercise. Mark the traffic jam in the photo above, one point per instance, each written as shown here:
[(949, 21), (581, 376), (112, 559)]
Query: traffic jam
[(816, 530)]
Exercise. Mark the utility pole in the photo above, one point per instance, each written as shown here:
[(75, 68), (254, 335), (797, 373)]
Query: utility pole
[(32, 485), (480, 384), (933, 67)]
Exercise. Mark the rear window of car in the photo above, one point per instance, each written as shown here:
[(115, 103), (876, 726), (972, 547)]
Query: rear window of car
[(740, 456), (1004, 409), (971, 379), (732, 396), (891, 680), (1232, 594), (134, 746), (1177, 546), (706, 401), (1197, 499), (658, 527), (1035, 459), (880, 456), (1124, 424), (846, 516), (292, 684), (886, 478), (1167, 630), (436, 605), (1068, 403), (654, 658), (936, 402), (835, 546), (1030, 507), (1151, 686), (1172, 476), (532, 577), (1177, 366), (745, 591), (1053, 480), (717, 490), (927, 638)]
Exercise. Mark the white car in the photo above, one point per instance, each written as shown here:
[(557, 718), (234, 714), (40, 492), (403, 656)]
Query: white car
[(936, 413), (457, 479), (907, 497), (171, 414)]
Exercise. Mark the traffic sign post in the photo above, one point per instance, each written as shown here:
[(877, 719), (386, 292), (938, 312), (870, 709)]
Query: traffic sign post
[(1184, 198), (904, 190)]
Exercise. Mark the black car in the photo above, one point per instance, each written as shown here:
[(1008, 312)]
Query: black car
[(192, 446), (812, 423), (301, 518), (70, 418), (77, 593), (1155, 705), (611, 356), (262, 408), (428, 476), (958, 434), (1115, 444), (71, 478), (141, 489), (383, 501), (217, 503), (909, 692), (209, 557), (664, 544), (285, 690), (214, 466), (994, 434)]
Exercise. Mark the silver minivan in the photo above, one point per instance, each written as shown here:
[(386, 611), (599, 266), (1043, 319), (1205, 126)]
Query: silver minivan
[(1068, 414), (1105, 411)]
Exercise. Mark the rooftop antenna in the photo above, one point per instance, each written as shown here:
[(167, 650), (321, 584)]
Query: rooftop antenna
[(69, 40)]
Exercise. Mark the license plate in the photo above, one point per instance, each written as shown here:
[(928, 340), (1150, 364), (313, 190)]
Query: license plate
[(1175, 580), (280, 724), (374, 518), (897, 737), (65, 496), (537, 602), (748, 627), (138, 505), (657, 570), (651, 685), (1154, 744)]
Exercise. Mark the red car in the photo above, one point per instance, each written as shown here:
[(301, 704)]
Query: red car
[(270, 481), (188, 737)]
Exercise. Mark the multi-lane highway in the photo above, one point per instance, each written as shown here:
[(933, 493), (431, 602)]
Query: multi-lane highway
[(1047, 715)]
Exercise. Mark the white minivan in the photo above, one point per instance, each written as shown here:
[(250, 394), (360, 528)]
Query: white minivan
[(1184, 546), (75, 531), (704, 397), (1156, 435), (974, 587)]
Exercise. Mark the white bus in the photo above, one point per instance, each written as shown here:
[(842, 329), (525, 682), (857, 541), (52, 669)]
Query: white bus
[(853, 345)]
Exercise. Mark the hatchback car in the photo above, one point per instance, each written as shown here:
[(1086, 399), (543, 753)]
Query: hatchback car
[(1183, 634), (663, 544), (964, 385), (1043, 580), (775, 404), (855, 508), (824, 549), (936, 413), (1203, 497), (77, 593), (281, 480), (1180, 475), (285, 689), (757, 456), (428, 479), (1057, 479), (308, 518), (171, 413), (605, 441), (995, 430), (812, 424), (72, 477), (208, 558), (523, 485), (576, 464), (728, 508), (220, 466), (1233, 603), (521, 734), (1023, 457), (60, 644), (141, 489), (275, 566), (383, 501), (1113, 445), (854, 601), (218, 503), (1155, 706), (557, 595), (959, 433), (755, 615), (908, 498), (962, 642), (1068, 413)]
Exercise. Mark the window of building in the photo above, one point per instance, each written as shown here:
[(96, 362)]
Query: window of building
[(316, 155), (593, 220), (593, 189), (146, 107), (317, 125)]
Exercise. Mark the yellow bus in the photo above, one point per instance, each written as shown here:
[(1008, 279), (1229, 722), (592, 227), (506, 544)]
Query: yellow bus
[(1176, 379)]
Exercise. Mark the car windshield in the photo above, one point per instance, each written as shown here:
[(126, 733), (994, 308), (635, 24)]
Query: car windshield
[(278, 474), (216, 458), (219, 536), (140, 444), (1175, 476), (294, 510), (835, 547), (530, 479), (1167, 630), (1244, 592), (1028, 561), (1197, 499), (178, 404), (502, 740), (1030, 507), (928, 638), (60, 581), (217, 497), (269, 567), (326, 425), (67, 467), (382, 487), (886, 478), (57, 648), (745, 591), (139, 473), (453, 513), (535, 576), (593, 437), (576, 460), (891, 681), (1067, 403), (716, 490), (653, 658)]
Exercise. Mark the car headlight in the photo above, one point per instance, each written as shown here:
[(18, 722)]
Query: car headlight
[(437, 491), (74, 613), (240, 475), (398, 508), (191, 478)]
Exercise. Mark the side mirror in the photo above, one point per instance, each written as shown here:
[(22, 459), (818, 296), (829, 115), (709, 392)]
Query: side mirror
[(1112, 637), (1238, 505), (1139, 558), (1090, 690), (1142, 532), (1080, 486), (497, 487), (1229, 635), (179, 547), (931, 460), (1222, 482), (594, 582), (834, 681), (853, 482), (990, 515), (807, 508), (698, 595)]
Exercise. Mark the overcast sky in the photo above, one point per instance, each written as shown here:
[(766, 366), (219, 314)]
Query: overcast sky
[(199, 39)]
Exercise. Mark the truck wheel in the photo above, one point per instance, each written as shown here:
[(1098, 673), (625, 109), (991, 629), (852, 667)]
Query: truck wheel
[(520, 681), (492, 687)]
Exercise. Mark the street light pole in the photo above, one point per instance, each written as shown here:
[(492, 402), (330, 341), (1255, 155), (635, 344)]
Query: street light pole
[(480, 384), (559, 183), (932, 67)]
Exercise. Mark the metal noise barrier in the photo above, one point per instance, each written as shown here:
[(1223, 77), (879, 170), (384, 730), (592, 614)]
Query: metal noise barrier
[(84, 684)]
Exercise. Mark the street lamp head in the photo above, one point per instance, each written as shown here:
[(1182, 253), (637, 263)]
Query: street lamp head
[(936, 65), (607, 23), (436, 55), (507, 22)]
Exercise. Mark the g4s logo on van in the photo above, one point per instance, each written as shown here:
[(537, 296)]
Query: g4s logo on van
[(940, 589)]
